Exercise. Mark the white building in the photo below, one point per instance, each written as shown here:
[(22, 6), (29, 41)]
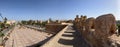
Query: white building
[(10, 22)]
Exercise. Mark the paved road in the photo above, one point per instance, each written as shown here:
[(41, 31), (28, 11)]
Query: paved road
[(25, 37), (71, 38)]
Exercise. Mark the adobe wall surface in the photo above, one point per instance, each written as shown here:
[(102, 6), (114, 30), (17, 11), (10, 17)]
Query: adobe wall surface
[(54, 28), (97, 31), (52, 41)]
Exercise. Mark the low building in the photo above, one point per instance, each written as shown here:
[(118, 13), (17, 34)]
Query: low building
[(10, 22)]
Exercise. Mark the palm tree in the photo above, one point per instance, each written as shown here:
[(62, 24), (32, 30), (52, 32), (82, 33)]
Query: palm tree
[(1, 16), (1, 35), (5, 20), (3, 24), (50, 20)]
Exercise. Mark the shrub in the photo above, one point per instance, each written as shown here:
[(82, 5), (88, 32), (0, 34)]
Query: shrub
[(118, 26)]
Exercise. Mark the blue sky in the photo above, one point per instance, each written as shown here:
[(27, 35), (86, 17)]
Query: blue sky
[(57, 9)]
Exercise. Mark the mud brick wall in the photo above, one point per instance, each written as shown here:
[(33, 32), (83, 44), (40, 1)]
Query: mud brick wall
[(54, 28)]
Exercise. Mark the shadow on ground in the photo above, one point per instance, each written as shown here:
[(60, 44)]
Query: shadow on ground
[(78, 41)]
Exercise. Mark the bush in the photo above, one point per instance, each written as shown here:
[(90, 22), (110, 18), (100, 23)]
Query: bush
[(1, 34), (118, 26)]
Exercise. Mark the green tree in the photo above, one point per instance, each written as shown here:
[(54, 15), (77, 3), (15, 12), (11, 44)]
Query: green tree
[(2, 27), (30, 22), (5, 20), (24, 22)]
